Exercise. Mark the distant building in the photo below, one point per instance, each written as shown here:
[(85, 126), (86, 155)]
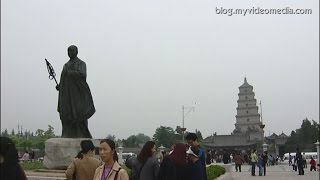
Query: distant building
[(278, 142), (229, 142), (247, 131)]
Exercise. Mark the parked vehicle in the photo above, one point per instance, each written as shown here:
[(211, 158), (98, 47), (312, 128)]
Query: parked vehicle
[(125, 156), (307, 154)]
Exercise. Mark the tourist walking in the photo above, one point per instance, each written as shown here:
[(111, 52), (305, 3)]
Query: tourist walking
[(259, 164), (84, 165), (174, 166), (290, 159), (226, 157), (264, 162), (294, 163), (110, 170), (208, 157), (254, 160), (238, 160), (147, 166), (313, 164), (304, 160), (299, 162), (192, 140), (10, 168)]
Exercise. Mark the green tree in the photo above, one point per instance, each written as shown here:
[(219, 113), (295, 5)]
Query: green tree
[(12, 132), (25, 144), (112, 137), (49, 133), (5, 133), (135, 140), (199, 135), (131, 141), (164, 136), (304, 137), (42, 136), (142, 138), (16, 139), (39, 133)]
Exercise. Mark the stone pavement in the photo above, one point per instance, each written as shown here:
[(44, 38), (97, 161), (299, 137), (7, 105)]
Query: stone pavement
[(282, 172), (49, 175)]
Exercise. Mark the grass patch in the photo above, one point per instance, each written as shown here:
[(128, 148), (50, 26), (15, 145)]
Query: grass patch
[(214, 171), (32, 165)]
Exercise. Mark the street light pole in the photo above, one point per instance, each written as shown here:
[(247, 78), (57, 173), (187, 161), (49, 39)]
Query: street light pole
[(183, 129), (264, 145)]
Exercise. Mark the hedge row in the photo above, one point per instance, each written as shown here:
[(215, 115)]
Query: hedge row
[(214, 171)]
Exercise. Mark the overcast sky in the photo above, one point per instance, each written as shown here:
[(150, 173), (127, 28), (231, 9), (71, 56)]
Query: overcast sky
[(147, 58)]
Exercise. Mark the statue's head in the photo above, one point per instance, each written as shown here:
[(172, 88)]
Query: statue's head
[(72, 51)]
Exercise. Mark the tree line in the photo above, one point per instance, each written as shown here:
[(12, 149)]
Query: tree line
[(165, 136), (30, 140), (304, 137)]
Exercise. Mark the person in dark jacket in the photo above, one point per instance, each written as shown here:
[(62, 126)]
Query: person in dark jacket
[(192, 140), (195, 169), (208, 157), (238, 160), (299, 162), (147, 166), (264, 157), (226, 157), (10, 168), (174, 166)]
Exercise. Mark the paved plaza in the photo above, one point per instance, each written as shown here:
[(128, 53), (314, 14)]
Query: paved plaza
[(282, 172)]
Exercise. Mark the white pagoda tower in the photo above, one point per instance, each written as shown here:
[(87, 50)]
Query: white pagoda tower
[(247, 118)]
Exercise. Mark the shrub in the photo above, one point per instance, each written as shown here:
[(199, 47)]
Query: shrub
[(214, 171), (32, 165)]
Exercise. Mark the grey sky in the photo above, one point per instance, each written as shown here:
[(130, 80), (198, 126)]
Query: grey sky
[(145, 59)]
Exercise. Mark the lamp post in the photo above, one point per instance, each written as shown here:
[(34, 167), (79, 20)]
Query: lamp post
[(318, 151), (190, 109), (264, 145), (120, 155), (161, 148)]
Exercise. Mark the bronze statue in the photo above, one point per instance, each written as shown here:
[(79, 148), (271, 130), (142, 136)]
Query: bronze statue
[(75, 103)]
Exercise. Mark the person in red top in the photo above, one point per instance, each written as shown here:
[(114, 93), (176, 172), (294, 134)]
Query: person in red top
[(313, 164)]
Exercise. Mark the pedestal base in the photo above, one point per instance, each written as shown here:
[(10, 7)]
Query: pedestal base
[(61, 151)]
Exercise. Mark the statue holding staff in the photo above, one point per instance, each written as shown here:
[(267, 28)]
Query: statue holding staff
[(75, 103)]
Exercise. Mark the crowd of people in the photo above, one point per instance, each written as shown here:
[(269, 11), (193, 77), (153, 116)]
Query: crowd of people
[(260, 161), (183, 162), (299, 162)]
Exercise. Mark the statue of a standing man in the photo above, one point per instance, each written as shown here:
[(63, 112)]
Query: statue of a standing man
[(75, 103)]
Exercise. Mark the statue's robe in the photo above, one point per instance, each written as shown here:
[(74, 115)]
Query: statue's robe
[(75, 103)]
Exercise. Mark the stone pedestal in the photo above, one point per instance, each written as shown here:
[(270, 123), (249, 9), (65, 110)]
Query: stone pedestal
[(59, 152)]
